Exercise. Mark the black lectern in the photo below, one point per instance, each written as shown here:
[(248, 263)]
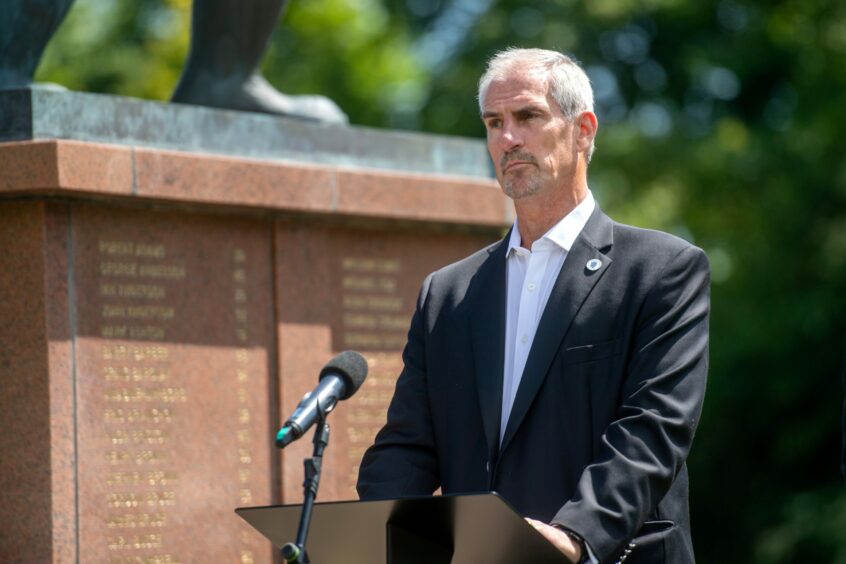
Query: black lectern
[(450, 529)]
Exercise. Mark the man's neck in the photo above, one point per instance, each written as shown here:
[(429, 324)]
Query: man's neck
[(537, 214)]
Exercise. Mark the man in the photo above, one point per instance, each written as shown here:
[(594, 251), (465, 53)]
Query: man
[(564, 366)]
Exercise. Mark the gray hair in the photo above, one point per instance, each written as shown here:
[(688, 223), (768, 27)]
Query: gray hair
[(568, 83)]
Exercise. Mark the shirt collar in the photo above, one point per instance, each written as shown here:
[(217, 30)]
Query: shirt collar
[(563, 234)]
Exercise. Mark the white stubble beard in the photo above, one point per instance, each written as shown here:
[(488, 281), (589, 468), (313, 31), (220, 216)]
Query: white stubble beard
[(521, 184)]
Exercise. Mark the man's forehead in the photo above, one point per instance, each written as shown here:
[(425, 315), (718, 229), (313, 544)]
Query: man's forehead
[(521, 88)]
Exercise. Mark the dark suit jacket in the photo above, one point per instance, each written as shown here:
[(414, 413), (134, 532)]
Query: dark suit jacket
[(605, 412)]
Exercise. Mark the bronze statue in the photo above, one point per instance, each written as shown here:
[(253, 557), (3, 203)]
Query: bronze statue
[(228, 41)]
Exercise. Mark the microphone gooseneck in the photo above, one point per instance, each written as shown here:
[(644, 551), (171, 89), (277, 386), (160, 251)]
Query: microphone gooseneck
[(339, 379)]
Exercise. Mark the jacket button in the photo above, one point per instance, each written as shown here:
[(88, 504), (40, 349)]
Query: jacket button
[(488, 466)]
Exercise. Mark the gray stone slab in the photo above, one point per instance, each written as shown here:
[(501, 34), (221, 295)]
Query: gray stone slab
[(44, 113)]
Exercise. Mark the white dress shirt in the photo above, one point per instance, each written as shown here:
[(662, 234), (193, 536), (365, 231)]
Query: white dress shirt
[(530, 276)]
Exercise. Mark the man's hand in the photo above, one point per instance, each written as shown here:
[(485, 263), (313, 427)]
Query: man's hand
[(559, 539)]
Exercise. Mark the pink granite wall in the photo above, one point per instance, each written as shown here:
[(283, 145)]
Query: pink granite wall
[(343, 288), (37, 467), (161, 312)]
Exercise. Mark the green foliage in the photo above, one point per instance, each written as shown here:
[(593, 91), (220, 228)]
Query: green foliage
[(721, 121), (133, 47), (354, 51)]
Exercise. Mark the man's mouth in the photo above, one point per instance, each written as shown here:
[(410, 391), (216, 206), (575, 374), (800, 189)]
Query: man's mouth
[(514, 164), (516, 159)]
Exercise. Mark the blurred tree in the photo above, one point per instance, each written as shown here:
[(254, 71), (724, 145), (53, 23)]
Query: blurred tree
[(133, 48), (720, 121), (354, 51)]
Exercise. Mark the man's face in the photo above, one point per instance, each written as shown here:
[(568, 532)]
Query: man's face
[(531, 142)]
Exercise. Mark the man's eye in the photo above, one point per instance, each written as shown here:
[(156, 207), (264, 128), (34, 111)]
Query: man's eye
[(494, 124)]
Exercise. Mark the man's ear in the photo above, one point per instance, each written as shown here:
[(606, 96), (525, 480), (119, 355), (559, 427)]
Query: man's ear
[(586, 126)]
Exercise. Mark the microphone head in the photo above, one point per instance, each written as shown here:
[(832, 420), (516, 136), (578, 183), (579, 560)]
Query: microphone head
[(350, 366)]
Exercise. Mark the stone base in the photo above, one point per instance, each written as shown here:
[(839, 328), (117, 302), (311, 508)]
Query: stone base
[(164, 309)]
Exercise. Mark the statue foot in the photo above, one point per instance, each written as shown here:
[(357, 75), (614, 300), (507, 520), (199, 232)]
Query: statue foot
[(256, 95), (49, 86)]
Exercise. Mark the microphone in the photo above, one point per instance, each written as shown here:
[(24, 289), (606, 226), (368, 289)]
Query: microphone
[(340, 378)]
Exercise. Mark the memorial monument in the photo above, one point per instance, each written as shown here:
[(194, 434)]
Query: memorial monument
[(173, 279)]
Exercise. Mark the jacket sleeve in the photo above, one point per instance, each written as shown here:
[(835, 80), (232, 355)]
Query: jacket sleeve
[(402, 461), (644, 448)]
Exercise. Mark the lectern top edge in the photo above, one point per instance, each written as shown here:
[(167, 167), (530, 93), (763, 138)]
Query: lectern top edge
[(450, 529)]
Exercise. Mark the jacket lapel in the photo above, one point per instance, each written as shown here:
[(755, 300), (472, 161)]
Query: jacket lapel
[(488, 338), (572, 287)]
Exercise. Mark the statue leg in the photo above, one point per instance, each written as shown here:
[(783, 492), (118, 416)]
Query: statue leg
[(25, 28), (228, 41)]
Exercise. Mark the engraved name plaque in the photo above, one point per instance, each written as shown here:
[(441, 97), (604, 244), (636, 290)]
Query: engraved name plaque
[(173, 386), (343, 288)]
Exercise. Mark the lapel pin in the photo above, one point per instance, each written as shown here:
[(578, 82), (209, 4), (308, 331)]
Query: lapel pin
[(593, 265)]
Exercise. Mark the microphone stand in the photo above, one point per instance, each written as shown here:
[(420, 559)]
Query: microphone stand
[(295, 552)]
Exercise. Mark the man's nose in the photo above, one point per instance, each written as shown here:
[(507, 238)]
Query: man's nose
[(510, 137)]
